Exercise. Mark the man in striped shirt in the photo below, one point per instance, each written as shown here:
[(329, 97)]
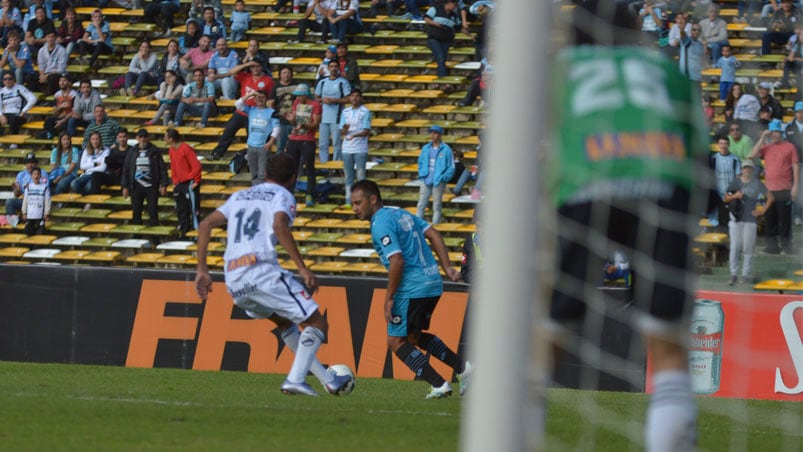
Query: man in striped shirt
[(106, 126)]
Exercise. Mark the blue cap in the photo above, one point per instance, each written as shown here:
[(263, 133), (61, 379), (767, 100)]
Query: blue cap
[(799, 105), (332, 49), (776, 125), (436, 128)]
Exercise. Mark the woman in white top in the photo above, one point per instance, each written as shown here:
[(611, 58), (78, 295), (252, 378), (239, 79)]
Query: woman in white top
[(142, 70), (169, 95), (93, 159)]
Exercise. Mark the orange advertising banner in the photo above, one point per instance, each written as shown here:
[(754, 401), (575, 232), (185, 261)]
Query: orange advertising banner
[(761, 349)]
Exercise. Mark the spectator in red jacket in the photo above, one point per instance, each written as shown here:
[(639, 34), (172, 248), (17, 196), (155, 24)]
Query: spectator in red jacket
[(185, 170)]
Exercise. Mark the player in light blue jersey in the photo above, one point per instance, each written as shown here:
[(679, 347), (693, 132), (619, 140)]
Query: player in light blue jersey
[(414, 286)]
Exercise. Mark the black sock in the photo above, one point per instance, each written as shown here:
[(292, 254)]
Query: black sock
[(435, 346), (419, 364)]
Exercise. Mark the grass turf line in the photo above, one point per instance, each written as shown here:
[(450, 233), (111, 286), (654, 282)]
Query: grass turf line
[(72, 407)]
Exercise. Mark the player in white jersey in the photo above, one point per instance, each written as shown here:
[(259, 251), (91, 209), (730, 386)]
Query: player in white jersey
[(259, 218)]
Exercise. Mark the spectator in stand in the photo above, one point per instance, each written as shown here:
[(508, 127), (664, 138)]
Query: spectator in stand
[(15, 101), (171, 61), (36, 204), (781, 27), (64, 160), (144, 178), (794, 57), (263, 127), (767, 100), (252, 79), (169, 96), (10, 19), (52, 61), (191, 37), (727, 64), (18, 57), (24, 177), (344, 18), (212, 26), (114, 164), (106, 126), (37, 29), (282, 96), (480, 85), (725, 166), (435, 170), (93, 159), (673, 47), (742, 197), (33, 5), (197, 99), (70, 31), (692, 54), (333, 93), (442, 19), (197, 58), (413, 10), (708, 112), (252, 52), (746, 111), (144, 68), (782, 177), (390, 7), (62, 112), (317, 23), (652, 21), (305, 116), (349, 69), (794, 130), (220, 66), (198, 6), (355, 128), (240, 21), (185, 170), (97, 39), (330, 54), (731, 100), (164, 10), (83, 107), (739, 144), (714, 33)]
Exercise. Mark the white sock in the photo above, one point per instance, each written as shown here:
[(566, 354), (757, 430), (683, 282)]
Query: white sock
[(308, 343), (290, 338), (672, 415)]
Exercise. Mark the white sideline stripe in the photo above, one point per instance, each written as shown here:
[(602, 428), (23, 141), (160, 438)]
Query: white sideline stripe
[(179, 403)]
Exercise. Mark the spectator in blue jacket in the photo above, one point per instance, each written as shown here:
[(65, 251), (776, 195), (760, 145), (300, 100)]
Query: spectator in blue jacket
[(435, 170)]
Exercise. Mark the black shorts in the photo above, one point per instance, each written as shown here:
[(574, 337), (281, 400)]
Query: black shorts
[(411, 315), (654, 235)]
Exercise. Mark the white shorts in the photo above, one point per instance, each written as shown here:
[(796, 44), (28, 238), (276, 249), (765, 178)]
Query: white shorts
[(265, 289)]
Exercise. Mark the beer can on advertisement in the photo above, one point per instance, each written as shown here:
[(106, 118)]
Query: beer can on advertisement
[(705, 348)]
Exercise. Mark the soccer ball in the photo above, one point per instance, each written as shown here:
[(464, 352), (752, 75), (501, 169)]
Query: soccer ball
[(342, 369)]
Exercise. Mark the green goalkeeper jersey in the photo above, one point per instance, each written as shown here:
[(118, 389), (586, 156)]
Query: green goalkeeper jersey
[(626, 125)]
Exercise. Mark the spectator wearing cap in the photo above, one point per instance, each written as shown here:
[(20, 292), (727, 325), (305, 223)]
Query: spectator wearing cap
[(52, 61), (435, 170), (144, 177), (106, 126), (349, 69), (344, 19), (330, 54), (220, 66), (318, 23), (251, 78), (263, 128), (742, 197), (332, 92), (282, 96), (14, 205), (768, 100), (197, 99), (304, 116), (782, 177), (355, 128), (15, 101), (62, 111)]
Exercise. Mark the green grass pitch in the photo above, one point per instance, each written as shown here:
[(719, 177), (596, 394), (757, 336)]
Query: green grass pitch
[(86, 408)]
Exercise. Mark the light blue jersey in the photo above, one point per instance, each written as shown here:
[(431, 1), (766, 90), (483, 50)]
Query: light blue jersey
[(261, 123), (398, 231)]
